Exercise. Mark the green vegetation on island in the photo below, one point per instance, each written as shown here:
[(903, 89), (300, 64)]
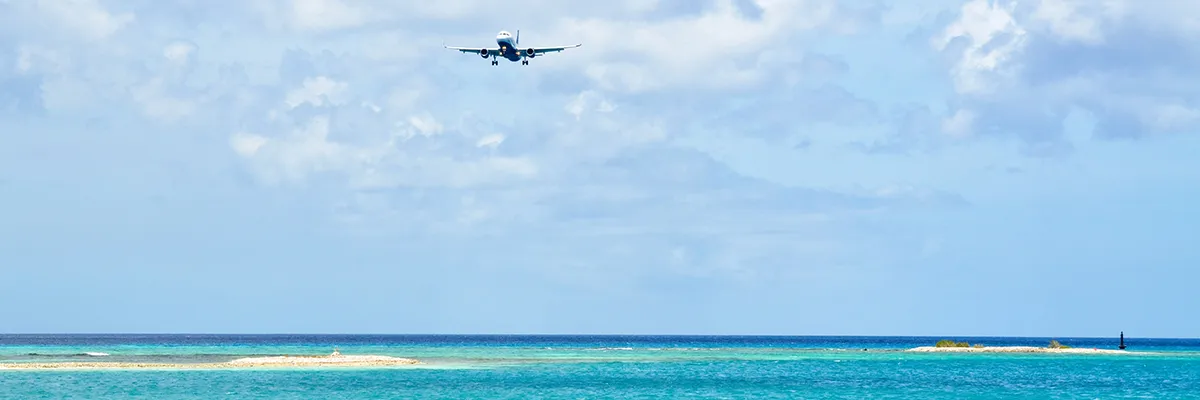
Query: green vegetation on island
[(1054, 344), (951, 343)]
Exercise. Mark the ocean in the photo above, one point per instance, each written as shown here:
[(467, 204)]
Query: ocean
[(602, 367)]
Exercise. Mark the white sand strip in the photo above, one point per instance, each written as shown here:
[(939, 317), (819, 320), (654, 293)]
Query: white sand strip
[(1014, 349)]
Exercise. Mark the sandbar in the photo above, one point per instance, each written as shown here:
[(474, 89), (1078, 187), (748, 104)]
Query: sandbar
[(1014, 349), (248, 362)]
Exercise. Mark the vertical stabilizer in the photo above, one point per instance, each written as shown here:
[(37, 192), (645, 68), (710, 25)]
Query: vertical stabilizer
[(518, 37)]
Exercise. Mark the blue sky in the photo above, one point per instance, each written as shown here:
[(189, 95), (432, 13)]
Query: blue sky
[(721, 166)]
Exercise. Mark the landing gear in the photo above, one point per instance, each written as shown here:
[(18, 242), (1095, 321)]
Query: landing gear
[(524, 62), (494, 62)]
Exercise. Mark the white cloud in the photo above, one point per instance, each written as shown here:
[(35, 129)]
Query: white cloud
[(474, 10), (705, 51), (318, 91), (1019, 68), (246, 144), (993, 37), (959, 125), (165, 95), (372, 106), (494, 140), (1172, 117), (158, 104), (426, 125), (326, 14), (180, 52), (87, 17), (412, 156), (1066, 22), (313, 16), (589, 101), (293, 158)]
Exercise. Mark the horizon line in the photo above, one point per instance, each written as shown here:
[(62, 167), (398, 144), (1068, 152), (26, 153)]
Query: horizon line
[(692, 335)]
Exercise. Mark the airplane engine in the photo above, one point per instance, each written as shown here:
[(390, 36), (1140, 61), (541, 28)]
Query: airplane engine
[(529, 52), (483, 53)]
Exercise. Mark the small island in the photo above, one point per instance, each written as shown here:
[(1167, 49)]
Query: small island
[(333, 360), (950, 346)]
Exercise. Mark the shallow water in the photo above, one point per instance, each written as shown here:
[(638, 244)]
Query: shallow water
[(604, 367)]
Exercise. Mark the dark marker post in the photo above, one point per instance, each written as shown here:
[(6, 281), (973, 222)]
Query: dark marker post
[(1122, 346)]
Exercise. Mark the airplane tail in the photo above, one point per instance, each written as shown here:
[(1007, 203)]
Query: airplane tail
[(518, 37)]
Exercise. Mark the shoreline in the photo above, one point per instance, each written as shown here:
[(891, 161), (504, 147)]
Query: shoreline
[(240, 363), (1014, 349)]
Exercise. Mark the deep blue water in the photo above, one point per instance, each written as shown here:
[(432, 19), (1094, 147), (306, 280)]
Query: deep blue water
[(811, 342), (605, 367)]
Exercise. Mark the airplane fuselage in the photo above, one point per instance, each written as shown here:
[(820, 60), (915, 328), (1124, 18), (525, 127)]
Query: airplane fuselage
[(508, 47)]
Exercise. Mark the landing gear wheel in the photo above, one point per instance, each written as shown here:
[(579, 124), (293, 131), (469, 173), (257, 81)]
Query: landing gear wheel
[(495, 63), (524, 62)]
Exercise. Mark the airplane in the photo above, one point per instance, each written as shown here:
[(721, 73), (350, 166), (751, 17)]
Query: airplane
[(510, 49)]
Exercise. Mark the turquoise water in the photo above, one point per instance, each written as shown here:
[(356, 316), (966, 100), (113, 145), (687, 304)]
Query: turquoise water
[(577, 367)]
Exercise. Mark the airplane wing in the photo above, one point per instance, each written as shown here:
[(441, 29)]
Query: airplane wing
[(476, 50), (543, 50)]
